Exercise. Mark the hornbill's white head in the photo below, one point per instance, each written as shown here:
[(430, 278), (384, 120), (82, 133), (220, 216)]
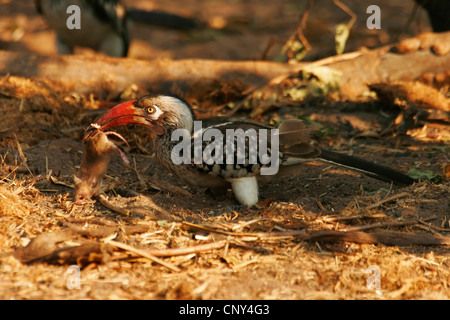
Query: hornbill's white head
[(159, 112)]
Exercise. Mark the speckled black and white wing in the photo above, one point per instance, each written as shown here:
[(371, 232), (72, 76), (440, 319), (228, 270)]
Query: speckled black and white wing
[(249, 160), (222, 162)]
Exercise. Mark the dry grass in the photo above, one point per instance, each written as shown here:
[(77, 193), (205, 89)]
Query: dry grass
[(249, 254)]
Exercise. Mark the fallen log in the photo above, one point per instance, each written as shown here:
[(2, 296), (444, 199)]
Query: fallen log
[(100, 75)]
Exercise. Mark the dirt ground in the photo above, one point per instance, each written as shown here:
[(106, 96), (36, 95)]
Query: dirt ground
[(255, 254)]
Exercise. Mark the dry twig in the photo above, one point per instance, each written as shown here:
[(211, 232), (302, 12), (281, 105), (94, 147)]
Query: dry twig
[(299, 34), (388, 224), (142, 253), (394, 197), (104, 231), (104, 201), (359, 216), (348, 11), (189, 250)]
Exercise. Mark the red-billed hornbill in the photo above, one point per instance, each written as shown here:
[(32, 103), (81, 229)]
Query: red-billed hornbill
[(165, 113), (104, 24)]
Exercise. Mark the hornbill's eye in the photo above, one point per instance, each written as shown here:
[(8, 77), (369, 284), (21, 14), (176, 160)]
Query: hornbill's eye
[(151, 109)]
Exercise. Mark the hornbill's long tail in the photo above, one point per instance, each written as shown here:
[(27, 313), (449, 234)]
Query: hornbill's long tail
[(368, 168)]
